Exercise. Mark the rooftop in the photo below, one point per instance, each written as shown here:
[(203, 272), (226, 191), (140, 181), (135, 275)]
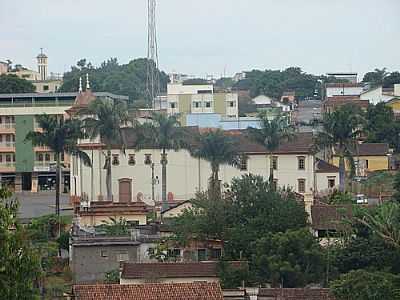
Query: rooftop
[(105, 208), (325, 167), (150, 291), (298, 294), (330, 217), (372, 149), (172, 270)]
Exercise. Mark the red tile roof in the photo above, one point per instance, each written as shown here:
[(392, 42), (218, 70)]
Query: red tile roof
[(151, 291), (172, 270), (330, 217), (325, 167), (375, 149), (296, 294)]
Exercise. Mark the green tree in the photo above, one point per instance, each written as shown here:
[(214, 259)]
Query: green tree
[(13, 84), (104, 119), (216, 148), (291, 259), (396, 187), (271, 134), (61, 136), (391, 79), (165, 134), (361, 284), (115, 226), (123, 79), (340, 130), (381, 125), (376, 77), (19, 262), (384, 222)]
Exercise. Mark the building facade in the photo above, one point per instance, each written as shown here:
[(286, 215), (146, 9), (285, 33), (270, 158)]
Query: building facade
[(139, 171), (22, 166), (200, 99), (343, 89)]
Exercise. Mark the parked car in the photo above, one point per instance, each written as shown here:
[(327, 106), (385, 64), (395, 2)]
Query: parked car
[(361, 199)]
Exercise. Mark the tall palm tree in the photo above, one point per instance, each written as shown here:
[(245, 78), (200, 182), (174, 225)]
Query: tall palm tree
[(164, 133), (340, 130), (271, 134), (61, 136), (217, 148), (105, 118)]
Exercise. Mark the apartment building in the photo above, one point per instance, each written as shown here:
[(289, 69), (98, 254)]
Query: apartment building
[(22, 166), (200, 99)]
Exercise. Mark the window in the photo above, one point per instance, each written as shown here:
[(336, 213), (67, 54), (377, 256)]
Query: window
[(8, 157), (1, 158), (301, 162), (62, 156), (13, 157), (174, 252), (45, 88), (47, 157), (275, 162), (331, 183), (201, 254), (216, 253), (208, 104), (366, 163), (173, 105), (1, 138), (115, 160), (131, 160), (122, 256), (104, 253), (8, 138), (147, 159), (231, 104), (150, 251), (301, 185), (7, 120), (243, 163), (39, 156)]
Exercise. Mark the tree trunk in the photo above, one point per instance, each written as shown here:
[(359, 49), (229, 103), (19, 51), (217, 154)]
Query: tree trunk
[(215, 186), (164, 162), (58, 175), (342, 174), (271, 171), (107, 166)]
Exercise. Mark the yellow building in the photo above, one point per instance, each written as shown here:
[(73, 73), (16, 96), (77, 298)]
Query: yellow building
[(369, 157)]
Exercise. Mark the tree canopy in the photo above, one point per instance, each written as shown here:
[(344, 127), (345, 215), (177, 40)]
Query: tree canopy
[(123, 79), (381, 77), (10, 83)]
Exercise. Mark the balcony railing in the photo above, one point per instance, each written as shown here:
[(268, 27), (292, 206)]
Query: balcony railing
[(7, 145), (7, 125), (10, 164)]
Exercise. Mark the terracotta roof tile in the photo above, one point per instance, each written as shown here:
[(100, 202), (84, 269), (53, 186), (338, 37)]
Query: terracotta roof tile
[(325, 167), (151, 291), (172, 270), (296, 294), (368, 149), (330, 217)]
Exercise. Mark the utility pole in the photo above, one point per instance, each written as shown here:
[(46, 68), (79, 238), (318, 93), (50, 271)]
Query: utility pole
[(153, 182), (153, 80)]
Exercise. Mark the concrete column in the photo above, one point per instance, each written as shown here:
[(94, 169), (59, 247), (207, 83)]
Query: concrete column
[(18, 182), (35, 181)]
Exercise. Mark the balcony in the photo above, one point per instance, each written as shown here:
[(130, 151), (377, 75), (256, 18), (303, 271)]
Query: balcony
[(7, 167), (7, 128), (7, 147)]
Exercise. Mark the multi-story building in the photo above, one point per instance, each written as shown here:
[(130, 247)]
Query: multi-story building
[(39, 78), (343, 89), (200, 99), (23, 166)]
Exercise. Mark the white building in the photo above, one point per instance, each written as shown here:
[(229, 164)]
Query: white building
[(294, 165), (343, 89), (377, 95)]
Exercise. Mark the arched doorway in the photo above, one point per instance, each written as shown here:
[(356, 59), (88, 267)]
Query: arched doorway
[(125, 190)]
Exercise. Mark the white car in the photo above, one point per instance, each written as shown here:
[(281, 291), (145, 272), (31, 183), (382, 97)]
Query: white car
[(361, 199)]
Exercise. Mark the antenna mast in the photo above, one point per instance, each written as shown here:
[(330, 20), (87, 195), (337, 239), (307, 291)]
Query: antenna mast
[(153, 80)]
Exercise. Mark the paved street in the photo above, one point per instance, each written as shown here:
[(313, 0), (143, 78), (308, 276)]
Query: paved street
[(39, 204)]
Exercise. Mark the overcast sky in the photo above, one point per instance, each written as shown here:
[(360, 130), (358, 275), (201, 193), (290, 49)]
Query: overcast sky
[(207, 36)]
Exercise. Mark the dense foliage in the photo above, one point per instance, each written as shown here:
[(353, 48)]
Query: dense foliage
[(13, 84), (19, 261), (249, 218), (381, 77), (111, 76)]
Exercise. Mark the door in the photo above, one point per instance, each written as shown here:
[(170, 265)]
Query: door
[(125, 190)]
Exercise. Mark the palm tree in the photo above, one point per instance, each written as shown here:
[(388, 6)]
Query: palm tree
[(217, 148), (61, 136), (340, 130), (104, 118), (163, 133), (270, 135)]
